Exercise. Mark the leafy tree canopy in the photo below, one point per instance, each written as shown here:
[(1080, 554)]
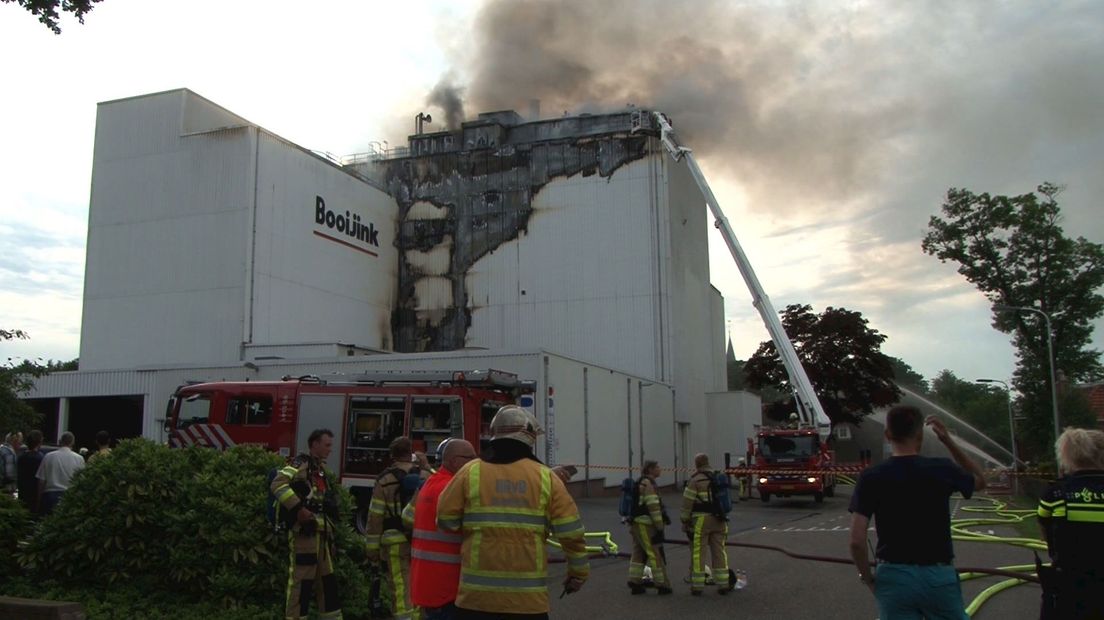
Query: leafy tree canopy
[(16, 378), (904, 375), (1013, 249), (47, 10), (842, 357)]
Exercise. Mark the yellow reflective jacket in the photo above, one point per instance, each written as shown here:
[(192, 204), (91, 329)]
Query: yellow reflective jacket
[(385, 501), (304, 472), (505, 512), (653, 505), (695, 497)]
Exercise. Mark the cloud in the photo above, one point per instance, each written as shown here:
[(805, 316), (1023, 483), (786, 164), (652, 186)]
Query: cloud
[(39, 261)]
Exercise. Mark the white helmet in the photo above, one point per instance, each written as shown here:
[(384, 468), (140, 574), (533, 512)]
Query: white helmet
[(513, 422)]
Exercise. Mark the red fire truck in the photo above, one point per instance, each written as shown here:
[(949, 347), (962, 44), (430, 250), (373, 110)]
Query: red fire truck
[(800, 450), (365, 412)]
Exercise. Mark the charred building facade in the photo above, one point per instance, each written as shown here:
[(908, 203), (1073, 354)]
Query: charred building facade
[(576, 233), (570, 251)]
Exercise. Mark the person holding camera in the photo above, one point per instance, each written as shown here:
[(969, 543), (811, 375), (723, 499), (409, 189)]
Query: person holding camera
[(306, 491)]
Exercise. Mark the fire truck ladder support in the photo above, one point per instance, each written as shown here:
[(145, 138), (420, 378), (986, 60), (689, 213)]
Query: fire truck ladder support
[(810, 409)]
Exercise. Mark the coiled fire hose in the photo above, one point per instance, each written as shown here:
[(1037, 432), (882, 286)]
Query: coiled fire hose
[(605, 547)]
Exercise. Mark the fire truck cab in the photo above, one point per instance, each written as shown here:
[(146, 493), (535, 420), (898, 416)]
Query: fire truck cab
[(780, 450), (365, 412)]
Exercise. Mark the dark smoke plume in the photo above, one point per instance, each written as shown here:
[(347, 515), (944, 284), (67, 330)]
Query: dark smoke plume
[(447, 96), (816, 106), (736, 80)]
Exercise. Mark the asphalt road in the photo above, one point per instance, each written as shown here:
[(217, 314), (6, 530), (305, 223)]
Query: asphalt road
[(779, 586)]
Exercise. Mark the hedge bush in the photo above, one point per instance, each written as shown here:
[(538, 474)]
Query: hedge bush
[(155, 528), (15, 525)]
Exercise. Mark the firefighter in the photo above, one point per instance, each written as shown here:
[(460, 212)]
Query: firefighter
[(304, 488), (435, 554), (387, 534), (706, 531), (646, 528), (505, 505)]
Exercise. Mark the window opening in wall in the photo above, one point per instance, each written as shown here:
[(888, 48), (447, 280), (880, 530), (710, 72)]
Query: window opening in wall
[(249, 410), (433, 420), (373, 422)]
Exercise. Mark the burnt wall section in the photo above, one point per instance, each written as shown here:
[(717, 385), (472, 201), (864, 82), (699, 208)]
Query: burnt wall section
[(484, 197)]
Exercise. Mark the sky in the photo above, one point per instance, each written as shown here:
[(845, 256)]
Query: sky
[(829, 131)]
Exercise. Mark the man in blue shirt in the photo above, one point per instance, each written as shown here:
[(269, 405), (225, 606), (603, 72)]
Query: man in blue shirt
[(908, 498)]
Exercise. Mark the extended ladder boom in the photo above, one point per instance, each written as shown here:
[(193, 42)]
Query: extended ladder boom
[(811, 411)]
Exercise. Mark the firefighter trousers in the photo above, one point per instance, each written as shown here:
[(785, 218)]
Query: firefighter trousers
[(311, 574), (709, 534), (647, 552), (396, 572)]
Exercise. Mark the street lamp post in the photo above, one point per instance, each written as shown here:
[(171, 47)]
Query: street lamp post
[(1050, 358), (1011, 430)]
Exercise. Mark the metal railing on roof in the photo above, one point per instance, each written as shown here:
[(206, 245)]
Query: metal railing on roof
[(375, 154)]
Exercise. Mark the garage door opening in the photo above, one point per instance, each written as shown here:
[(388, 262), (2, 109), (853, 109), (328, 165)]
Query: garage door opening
[(120, 416)]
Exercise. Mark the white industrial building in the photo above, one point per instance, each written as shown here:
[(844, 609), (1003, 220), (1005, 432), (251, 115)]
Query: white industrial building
[(571, 251)]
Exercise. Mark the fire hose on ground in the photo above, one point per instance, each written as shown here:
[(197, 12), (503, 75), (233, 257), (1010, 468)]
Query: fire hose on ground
[(605, 547)]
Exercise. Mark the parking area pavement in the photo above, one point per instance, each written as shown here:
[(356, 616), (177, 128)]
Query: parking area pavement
[(778, 586)]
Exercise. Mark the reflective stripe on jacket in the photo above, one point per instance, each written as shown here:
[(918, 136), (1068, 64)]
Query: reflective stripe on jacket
[(434, 554), (695, 495), (300, 469), (505, 512), (1071, 511), (653, 505), (384, 498)]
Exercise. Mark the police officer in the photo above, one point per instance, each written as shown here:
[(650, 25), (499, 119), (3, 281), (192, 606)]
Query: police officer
[(1071, 514), (706, 531), (305, 489)]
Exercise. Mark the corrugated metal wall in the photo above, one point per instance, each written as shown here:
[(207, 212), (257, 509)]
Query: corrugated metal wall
[(203, 236)]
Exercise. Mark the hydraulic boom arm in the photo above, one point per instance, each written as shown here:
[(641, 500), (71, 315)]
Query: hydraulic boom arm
[(810, 410)]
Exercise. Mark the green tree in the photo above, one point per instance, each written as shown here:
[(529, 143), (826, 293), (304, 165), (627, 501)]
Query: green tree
[(47, 10), (983, 406), (842, 356), (1013, 249), (906, 376), (16, 415)]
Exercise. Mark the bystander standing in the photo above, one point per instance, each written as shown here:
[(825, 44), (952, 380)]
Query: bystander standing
[(907, 496), (56, 472), (28, 463), (9, 453)]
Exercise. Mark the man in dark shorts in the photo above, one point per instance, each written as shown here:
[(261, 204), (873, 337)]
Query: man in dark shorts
[(908, 497)]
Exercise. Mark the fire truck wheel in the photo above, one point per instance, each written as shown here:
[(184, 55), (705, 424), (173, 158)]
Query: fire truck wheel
[(765, 496), (818, 498)]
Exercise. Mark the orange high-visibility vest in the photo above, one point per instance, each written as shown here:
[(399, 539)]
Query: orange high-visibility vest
[(434, 554)]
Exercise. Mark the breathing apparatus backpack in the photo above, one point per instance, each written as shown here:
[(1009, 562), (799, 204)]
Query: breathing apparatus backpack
[(629, 507), (409, 482), (720, 502), (719, 494)]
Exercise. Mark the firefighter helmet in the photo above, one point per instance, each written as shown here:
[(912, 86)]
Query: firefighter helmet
[(513, 422), (440, 454)]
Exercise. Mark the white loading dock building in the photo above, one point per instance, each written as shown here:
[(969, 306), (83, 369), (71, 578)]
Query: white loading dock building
[(571, 251)]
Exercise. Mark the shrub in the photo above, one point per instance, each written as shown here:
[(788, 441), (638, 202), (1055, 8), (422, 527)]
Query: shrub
[(15, 525), (177, 528)]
